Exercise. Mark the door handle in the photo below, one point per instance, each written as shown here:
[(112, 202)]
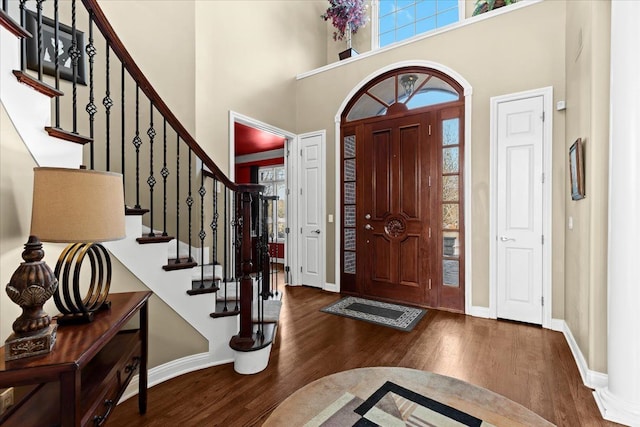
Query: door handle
[(368, 227), (367, 216), (317, 231), (506, 239)]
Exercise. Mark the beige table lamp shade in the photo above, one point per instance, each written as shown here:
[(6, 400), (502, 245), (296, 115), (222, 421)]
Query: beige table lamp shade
[(77, 205)]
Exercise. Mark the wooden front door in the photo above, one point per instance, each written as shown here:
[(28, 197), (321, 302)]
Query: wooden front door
[(393, 212)]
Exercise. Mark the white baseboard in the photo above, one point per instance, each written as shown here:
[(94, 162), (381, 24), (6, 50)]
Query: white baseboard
[(477, 311), (331, 287), (169, 370), (614, 409), (557, 325), (591, 379)]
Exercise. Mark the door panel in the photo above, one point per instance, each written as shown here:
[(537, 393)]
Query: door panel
[(409, 172), (519, 210), (311, 228), (393, 208), (382, 174)]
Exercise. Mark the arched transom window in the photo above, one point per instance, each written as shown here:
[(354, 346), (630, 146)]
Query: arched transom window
[(400, 91)]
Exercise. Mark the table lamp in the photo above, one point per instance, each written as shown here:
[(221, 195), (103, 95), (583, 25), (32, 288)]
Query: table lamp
[(77, 206)]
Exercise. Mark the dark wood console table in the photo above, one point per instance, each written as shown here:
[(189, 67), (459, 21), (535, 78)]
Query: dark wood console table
[(90, 366)]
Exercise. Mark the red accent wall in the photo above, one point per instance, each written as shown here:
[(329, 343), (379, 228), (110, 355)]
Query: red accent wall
[(243, 170), (279, 249)]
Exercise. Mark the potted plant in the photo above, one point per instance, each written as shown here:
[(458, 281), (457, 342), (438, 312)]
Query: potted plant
[(483, 6), (347, 16)]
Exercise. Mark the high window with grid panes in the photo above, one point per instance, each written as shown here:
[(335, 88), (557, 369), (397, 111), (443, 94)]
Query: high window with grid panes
[(275, 181), (402, 19)]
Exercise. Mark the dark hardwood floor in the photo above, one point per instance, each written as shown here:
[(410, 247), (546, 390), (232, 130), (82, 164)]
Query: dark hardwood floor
[(527, 364)]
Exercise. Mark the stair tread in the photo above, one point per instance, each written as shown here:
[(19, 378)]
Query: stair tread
[(68, 136), (181, 263), (128, 210), (14, 27), (153, 239), (36, 84)]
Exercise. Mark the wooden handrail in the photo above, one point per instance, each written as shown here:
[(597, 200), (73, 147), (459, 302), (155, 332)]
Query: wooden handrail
[(121, 52)]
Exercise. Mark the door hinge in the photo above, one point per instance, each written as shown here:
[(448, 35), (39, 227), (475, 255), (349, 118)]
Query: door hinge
[(542, 300), (543, 177), (288, 191), (542, 116), (542, 239), (301, 152), (286, 230), (301, 269), (429, 284), (301, 191), (288, 152), (429, 129), (300, 230)]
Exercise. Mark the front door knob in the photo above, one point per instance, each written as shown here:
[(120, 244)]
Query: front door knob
[(368, 227)]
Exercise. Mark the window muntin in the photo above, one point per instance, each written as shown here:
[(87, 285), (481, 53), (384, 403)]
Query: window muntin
[(401, 19), (274, 180), (414, 89)]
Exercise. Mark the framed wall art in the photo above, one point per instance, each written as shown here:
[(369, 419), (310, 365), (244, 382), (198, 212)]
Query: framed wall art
[(576, 170), (48, 48)]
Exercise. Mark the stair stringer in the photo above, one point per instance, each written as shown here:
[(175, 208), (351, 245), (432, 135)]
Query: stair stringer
[(146, 261), (30, 111)]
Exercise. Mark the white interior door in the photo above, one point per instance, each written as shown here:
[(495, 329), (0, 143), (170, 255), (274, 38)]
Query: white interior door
[(311, 203), (520, 143)]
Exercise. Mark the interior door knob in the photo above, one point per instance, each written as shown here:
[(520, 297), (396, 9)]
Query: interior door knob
[(506, 239), (317, 231)]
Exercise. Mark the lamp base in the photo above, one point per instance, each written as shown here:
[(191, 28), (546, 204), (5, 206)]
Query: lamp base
[(17, 347)]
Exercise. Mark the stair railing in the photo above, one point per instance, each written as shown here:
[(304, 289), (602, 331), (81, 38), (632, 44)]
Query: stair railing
[(153, 155)]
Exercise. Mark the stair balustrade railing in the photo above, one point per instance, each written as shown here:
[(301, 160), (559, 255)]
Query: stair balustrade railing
[(103, 100)]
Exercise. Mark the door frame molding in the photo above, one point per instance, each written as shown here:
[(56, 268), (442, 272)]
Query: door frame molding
[(289, 145), (547, 96), (468, 98)]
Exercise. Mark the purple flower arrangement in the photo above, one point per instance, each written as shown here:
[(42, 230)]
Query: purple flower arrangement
[(346, 13)]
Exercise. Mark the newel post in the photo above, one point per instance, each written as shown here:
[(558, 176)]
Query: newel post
[(247, 194)]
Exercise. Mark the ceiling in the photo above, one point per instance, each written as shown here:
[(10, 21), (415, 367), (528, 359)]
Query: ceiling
[(250, 140)]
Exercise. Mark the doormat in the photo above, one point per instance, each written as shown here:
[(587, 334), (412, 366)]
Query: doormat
[(381, 313)]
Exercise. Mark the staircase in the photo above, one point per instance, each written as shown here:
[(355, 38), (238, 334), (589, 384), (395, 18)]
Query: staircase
[(191, 232)]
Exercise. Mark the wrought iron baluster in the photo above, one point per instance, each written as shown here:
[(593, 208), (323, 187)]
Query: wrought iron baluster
[(74, 54), (56, 59), (122, 121), (202, 234), (214, 223), (91, 106), (238, 245), (151, 181), (190, 203), (39, 36), (23, 41), (165, 173), (137, 142), (177, 198), (225, 277), (108, 103)]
